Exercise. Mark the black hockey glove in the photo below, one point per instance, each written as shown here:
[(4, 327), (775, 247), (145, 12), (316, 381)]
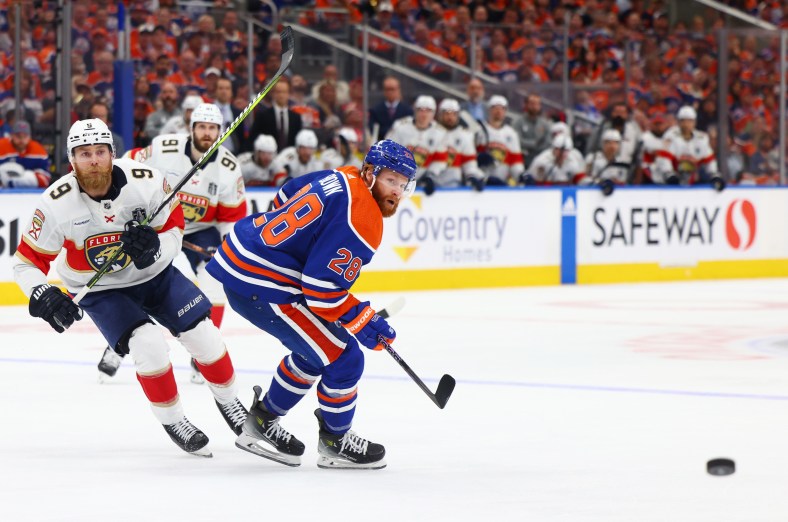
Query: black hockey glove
[(141, 243), (476, 183), (607, 186), (54, 307), (427, 184), (717, 183)]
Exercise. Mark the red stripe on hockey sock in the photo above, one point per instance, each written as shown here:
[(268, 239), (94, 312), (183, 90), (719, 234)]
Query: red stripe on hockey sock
[(221, 372), (343, 398), (217, 314), (159, 389)]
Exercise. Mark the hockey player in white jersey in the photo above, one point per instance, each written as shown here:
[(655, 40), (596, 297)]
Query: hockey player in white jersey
[(258, 166), (89, 215), (212, 201), (344, 151), (499, 146), (602, 169), (555, 166), (426, 140), (560, 127), (461, 167), (293, 162), (687, 157)]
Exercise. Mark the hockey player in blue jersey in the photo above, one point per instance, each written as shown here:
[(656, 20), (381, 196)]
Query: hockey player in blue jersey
[(289, 272)]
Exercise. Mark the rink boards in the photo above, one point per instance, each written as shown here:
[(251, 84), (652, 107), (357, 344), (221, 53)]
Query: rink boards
[(544, 236)]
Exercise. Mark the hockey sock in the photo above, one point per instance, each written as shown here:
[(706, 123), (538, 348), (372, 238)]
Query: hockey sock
[(289, 385), (221, 378), (338, 406), (217, 314), (162, 392)]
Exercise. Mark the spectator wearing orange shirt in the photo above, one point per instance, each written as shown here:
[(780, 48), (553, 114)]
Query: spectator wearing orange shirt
[(529, 70), (500, 66), (187, 77)]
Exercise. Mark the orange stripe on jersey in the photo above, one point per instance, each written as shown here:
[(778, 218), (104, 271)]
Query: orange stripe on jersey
[(365, 215), (342, 398), (331, 350), (291, 375), (323, 295), (256, 269), (333, 314)]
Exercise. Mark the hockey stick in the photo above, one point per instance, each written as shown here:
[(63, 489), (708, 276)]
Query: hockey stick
[(393, 308), (287, 58), (207, 252), (445, 386)]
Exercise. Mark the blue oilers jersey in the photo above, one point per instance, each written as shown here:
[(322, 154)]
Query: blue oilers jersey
[(324, 228)]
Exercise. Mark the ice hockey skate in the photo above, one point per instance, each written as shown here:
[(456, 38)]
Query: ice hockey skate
[(347, 451), (263, 436), (188, 437), (234, 415), (196, 376), (108, 365)]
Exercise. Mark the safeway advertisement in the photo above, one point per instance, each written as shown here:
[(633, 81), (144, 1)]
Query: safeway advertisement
[(674, 226)]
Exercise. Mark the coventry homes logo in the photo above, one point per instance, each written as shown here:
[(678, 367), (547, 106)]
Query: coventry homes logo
[(661, 226), (469, 237)]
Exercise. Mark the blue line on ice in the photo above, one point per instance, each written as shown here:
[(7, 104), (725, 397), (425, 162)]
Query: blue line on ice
[(518, 384)]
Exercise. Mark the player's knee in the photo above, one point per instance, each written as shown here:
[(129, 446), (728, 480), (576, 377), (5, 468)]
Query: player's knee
[(148, 348), (203, 341), (347, 369)]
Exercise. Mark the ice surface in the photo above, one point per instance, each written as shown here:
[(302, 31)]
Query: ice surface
[(581, 403)]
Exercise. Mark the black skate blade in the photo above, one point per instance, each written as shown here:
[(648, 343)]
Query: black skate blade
[(444, 391), (249, 444)]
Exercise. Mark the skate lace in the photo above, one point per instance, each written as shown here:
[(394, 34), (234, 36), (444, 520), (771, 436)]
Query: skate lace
[(235, 411), (275, 431), (184, 429), (354, 443)]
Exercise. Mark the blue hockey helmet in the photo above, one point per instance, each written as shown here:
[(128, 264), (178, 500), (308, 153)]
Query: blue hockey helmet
[(388, 154)]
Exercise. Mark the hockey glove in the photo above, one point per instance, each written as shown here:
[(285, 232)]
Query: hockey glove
[(367, 325), (717, 183), (476, 183), (607, 186), (141, 243), (427, 184), (54, 307), (527, 179)]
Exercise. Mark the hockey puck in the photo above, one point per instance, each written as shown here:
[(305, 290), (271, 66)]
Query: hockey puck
[(720, 467)]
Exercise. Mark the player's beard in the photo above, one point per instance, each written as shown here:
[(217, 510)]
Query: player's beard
[(94, 178), (201, 145), (388, 204)]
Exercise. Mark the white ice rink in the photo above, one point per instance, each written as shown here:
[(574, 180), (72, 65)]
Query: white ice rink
[(590, 403)]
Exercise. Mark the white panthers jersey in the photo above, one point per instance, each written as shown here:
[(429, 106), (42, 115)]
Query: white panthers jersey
[(215, 194), (331, 159), (427, 145), (655, 164), (253, 173), (545, 169), (599, 168), (460, 158), (287, 164), (503, 144), (175, 125), (689, 156), (88, 231)]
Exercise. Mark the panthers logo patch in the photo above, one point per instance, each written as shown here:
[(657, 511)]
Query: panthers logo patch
[(420, 155), (100, 249), (194, 207)]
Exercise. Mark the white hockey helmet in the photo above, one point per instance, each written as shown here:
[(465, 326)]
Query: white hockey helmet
[(348, 134), (88, 132), (265, 143), (563, 142), (191, 102), (449, 104), (306, 138), (611, 135), (207, 113), (559, 127), (687, 113), (425, 102)]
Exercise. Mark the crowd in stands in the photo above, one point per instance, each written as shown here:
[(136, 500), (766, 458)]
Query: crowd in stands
[(185, 56)]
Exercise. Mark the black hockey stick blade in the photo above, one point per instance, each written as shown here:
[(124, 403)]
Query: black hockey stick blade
[(445, 386), (444, 391)]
